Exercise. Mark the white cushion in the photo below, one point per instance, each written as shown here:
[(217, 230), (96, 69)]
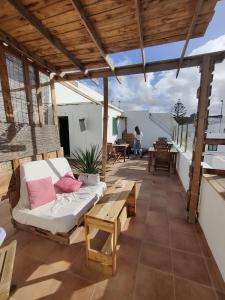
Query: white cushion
[(54, 168)]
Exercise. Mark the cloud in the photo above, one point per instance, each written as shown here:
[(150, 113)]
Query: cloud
[(134, 93), (184, 88), (162, 90)]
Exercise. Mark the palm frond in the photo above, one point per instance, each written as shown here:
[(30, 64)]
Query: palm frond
[(88, 161)]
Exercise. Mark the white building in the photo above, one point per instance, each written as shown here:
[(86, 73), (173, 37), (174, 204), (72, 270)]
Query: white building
[(216, 124), (80, 113), (152, 125), (81, 125), (215, 154)]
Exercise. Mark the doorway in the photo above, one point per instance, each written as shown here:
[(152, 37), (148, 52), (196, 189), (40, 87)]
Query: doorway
[(64, 135)]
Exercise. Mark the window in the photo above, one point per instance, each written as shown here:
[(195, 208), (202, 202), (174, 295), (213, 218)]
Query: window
[(114, 126), (34, 95), (17, 88), (212, 147), (46, 98)]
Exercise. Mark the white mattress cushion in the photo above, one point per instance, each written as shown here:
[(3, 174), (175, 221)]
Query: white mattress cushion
[(64, 213), (60, 215), (54, 168)]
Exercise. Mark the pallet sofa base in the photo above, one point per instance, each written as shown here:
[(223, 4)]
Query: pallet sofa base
[(66, 238)]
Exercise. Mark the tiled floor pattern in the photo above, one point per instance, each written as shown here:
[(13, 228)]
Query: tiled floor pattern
[(160, 256)]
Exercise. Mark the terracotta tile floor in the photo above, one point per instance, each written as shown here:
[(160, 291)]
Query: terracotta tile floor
[(160, 255)]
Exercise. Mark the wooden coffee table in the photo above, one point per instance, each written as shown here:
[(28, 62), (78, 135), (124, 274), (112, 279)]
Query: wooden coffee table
[(109, 215)]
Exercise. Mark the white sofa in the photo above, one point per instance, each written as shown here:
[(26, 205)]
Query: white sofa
[(63, 214)]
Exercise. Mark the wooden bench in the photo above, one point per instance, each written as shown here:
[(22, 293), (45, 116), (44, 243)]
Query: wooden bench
[(7, 257), (109, 216)]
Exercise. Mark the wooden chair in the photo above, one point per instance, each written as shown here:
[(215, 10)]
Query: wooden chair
[(161, 143), (113, 153), (162, 138), (162, 158)]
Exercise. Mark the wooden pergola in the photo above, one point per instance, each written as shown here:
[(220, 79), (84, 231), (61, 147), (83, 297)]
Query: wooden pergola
[(67, 40)]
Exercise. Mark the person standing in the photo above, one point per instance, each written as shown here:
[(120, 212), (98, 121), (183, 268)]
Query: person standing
[(138, 135)]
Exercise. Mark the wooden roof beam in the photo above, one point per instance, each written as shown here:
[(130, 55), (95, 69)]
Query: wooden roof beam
[(17, 4), (189, 33), (156, 66), (138, 16), (93, 34), (14, 44)]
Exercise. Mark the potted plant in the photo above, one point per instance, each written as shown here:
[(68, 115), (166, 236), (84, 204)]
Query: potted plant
[(88, 161)]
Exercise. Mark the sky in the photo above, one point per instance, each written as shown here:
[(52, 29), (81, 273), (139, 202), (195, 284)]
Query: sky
[(162, 90)]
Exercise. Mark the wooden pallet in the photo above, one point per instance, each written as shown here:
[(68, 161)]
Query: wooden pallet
[(7, 257), (109, 215), (64, 238)]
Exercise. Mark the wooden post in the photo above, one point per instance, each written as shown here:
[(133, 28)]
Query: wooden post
[(125, 124), (5, 87), (16, 173), (178, 127), (105, 128), (200, 135), (28, 91), (53, 97), (181, 135), (39, 97), (186, 138)]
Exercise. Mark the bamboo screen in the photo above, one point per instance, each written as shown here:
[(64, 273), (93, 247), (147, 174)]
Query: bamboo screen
[(34, 95), (17, 91), (2, 108), (46, 99)]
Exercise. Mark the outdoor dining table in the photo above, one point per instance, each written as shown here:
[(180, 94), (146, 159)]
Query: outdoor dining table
[(173, 153), (123, 148)]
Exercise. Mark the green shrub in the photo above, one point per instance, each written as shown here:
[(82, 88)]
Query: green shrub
[(88, 161)]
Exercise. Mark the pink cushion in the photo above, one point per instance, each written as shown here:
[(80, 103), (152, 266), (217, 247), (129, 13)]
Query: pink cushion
[(40, 192), (68, 184)]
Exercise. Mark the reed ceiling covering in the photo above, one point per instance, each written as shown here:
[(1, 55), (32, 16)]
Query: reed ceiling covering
[(114, 23)]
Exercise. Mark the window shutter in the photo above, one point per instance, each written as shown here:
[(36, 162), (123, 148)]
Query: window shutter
[(114, 126)]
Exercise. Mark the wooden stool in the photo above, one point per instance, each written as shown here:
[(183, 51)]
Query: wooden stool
[(109, 215)]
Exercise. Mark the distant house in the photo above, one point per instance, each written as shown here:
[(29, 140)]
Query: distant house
[(216, 124), (152, 125)]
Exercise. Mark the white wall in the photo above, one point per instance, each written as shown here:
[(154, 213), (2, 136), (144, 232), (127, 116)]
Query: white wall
[(212, 221), (183, 165), (93, 114), (65, 95), (150, 130), (211, 211)]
